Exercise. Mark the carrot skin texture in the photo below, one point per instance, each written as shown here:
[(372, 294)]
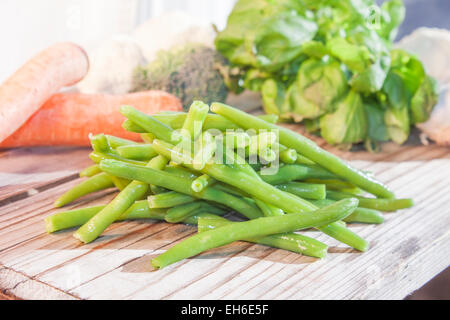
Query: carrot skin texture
[(55, 123), (58, 66)]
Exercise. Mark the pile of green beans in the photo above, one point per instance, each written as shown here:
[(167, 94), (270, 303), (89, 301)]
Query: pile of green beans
[(192, 168)]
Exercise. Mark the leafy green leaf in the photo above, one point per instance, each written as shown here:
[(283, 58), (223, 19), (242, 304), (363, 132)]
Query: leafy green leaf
[(397, 124), (348, 124)]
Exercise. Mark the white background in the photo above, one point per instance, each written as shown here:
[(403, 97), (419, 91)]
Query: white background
[(28, 26)]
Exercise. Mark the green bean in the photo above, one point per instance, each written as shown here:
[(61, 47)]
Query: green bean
[(307, 148), (98, 156), (137, 151), (267, 209), (157, 190), (176, 183), (100, 144), (176, 121), (77, 217), (373, 203), (288, 156), (132, 192), (168, 199), (69, 219), (236, 139), (206, 146), (253, 229), (361, 215), (288, 241), (338, 185), (182, 172), (253, 186), (292, 172), (181, 212), (193, 124), (147, 137), (202, 182), (119, 182), (345, 235), (304, 190), (90, 171), (150, 124), (95, 183), (116, 142)]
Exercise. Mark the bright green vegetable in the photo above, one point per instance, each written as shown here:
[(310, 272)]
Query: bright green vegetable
[(95, 183), (329, 64), (202, 182), (373, 203), (116, 142), (188, 71), (308, 148), (90, 171), (179, 184), (193, 124), (137, 151), (294, 172), (139, 210), (267, 209), (168, 199), (252, 229), (288, 241), (182, 211), (305, 190), (132, 192), (253, 186)]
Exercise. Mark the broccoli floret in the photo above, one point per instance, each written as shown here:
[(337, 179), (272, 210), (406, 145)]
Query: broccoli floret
[(189, 72)]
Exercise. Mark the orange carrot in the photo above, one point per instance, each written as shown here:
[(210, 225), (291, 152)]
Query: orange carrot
[(60, 65), (68, 118)]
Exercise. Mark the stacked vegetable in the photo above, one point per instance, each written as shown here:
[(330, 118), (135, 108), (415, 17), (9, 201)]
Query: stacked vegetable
[(278, 180), (330, 65)]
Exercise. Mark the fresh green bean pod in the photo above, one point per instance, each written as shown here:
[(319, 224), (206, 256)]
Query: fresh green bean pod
[(287, 241), (373, 203), (292, 172), (267, 209), (143, 152), (116, 142), (150, 124), (176, 121), (288, 156), (90, 171), (177, 183), (193, 124), (168, 199), (254, 229), (95, 183), (253, 186), (132, 192), (307, 148), (139, 210), (98, 156), (304, 190), (345, 235)]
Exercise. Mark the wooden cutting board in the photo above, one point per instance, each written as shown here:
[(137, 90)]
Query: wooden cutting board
[(410, 248)]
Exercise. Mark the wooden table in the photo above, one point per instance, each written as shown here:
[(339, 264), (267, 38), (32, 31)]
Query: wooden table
[(410, 248)]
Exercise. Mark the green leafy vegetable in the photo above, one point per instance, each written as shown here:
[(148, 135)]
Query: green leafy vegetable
[(330, 64)]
